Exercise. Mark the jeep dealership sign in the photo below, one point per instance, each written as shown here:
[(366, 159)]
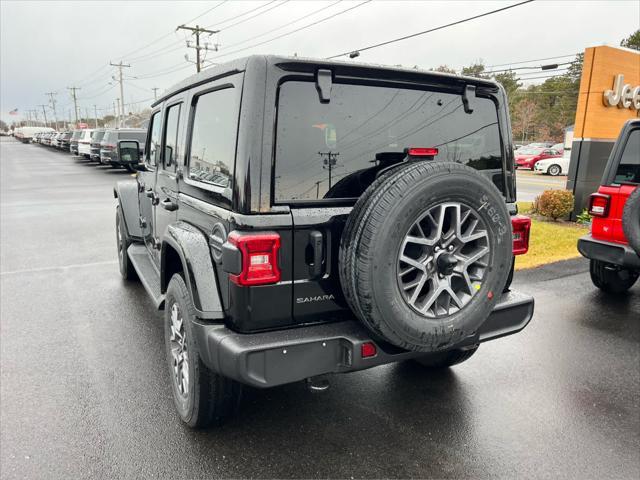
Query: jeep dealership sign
[(622, 95)]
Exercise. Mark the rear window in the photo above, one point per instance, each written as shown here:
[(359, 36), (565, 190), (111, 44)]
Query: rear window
[(97, 135), (139, 136), (334, 150), (629, 166)]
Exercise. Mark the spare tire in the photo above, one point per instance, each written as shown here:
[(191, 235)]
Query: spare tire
[(425, 254), (631, 220)]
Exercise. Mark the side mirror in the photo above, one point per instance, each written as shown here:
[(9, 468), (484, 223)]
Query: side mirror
[(129, 152)]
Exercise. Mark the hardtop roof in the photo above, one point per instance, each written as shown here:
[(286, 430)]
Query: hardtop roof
[(311, 64)]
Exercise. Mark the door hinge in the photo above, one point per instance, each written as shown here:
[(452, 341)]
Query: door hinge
[(142, 222)]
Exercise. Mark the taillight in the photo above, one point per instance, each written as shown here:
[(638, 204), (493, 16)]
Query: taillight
[(599, 204), (422, 152), (259, 258), (521, 227)]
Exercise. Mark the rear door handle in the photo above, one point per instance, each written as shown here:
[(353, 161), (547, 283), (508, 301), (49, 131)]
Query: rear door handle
[(316, 242), (169, 205)]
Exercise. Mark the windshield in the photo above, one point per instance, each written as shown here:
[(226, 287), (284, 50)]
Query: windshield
[(76, 135), (335, 149), (529, 151)]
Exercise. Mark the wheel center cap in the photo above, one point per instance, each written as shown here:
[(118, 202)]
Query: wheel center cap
[(446, 262)]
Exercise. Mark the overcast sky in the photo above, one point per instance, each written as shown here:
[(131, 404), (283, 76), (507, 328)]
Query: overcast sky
[(49, 46)]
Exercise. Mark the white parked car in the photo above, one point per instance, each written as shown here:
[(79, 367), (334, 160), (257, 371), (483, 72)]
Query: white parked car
[(554, 166), (84, 143)]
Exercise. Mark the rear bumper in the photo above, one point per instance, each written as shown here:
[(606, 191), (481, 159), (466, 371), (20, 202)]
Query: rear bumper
[(285, 356), (615, 253)]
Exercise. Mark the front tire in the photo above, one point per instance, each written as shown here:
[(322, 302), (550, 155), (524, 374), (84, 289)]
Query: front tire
[(445, 359), (610, 278), (201, 396), (554, 170)]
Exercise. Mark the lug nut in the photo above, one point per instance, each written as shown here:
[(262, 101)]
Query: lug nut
[(437, 248), (450, 247)]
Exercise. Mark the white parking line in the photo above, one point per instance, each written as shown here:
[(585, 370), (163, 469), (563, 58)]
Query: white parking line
[(61, 267)]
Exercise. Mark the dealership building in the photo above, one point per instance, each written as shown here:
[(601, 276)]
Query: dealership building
[(609, 96)]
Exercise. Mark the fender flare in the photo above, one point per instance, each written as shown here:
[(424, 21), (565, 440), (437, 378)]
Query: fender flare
[(192, 247), (126, 192)]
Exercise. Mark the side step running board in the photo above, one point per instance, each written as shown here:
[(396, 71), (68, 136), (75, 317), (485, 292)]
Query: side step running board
[(147, 272)]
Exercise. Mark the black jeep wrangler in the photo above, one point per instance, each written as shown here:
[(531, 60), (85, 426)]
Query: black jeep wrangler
[(296, 218)]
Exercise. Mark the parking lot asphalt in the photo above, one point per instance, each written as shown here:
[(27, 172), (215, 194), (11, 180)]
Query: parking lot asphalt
[(84, 389), (531, 184)]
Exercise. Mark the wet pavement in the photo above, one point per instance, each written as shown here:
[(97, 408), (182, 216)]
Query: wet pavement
[(84, 389), (530, 184)]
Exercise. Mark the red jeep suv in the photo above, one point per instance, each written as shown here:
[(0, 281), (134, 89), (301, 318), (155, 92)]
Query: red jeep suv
[(613, 246)]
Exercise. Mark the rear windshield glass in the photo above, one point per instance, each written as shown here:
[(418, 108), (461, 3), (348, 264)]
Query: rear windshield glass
[(335, 149), (139, 136), (629, 167)]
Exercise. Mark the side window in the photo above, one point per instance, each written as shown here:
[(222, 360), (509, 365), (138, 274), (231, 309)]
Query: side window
[(153, 150), (213, 139), (629, 166), (171, 136)]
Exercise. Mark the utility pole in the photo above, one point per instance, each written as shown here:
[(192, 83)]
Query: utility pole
[(75, 101), (120, 67), (155, 93), (53, 106), (44, 112), (197, 30), (95, 111), (329, 162), (119, 123), (115, 116)]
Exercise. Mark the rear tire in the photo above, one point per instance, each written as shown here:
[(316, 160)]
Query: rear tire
[(201, 396), (554, 170), (445, 359), (610, 278)]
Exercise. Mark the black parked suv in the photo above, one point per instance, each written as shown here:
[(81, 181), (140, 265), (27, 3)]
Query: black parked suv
[(63, 142), (109, 146), (297, 218)]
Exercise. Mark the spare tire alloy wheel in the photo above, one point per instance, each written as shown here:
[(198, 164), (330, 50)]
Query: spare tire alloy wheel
[(443, 259), (425, 255)]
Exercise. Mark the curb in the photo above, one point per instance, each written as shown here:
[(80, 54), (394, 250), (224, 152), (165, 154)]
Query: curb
[(552, 271)]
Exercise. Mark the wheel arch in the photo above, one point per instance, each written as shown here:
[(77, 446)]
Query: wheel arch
[(185, 250)]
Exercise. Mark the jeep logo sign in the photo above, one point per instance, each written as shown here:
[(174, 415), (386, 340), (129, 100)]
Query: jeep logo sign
[(622, 95)]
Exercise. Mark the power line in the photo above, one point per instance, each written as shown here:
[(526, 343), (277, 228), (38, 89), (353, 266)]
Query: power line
[(172, 32), (534, 60), (296, 30), (163, 50), (406, 37), (542, 67), (285, 25)]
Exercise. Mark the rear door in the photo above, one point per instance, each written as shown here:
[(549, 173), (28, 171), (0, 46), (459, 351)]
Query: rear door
[(166, 188)]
